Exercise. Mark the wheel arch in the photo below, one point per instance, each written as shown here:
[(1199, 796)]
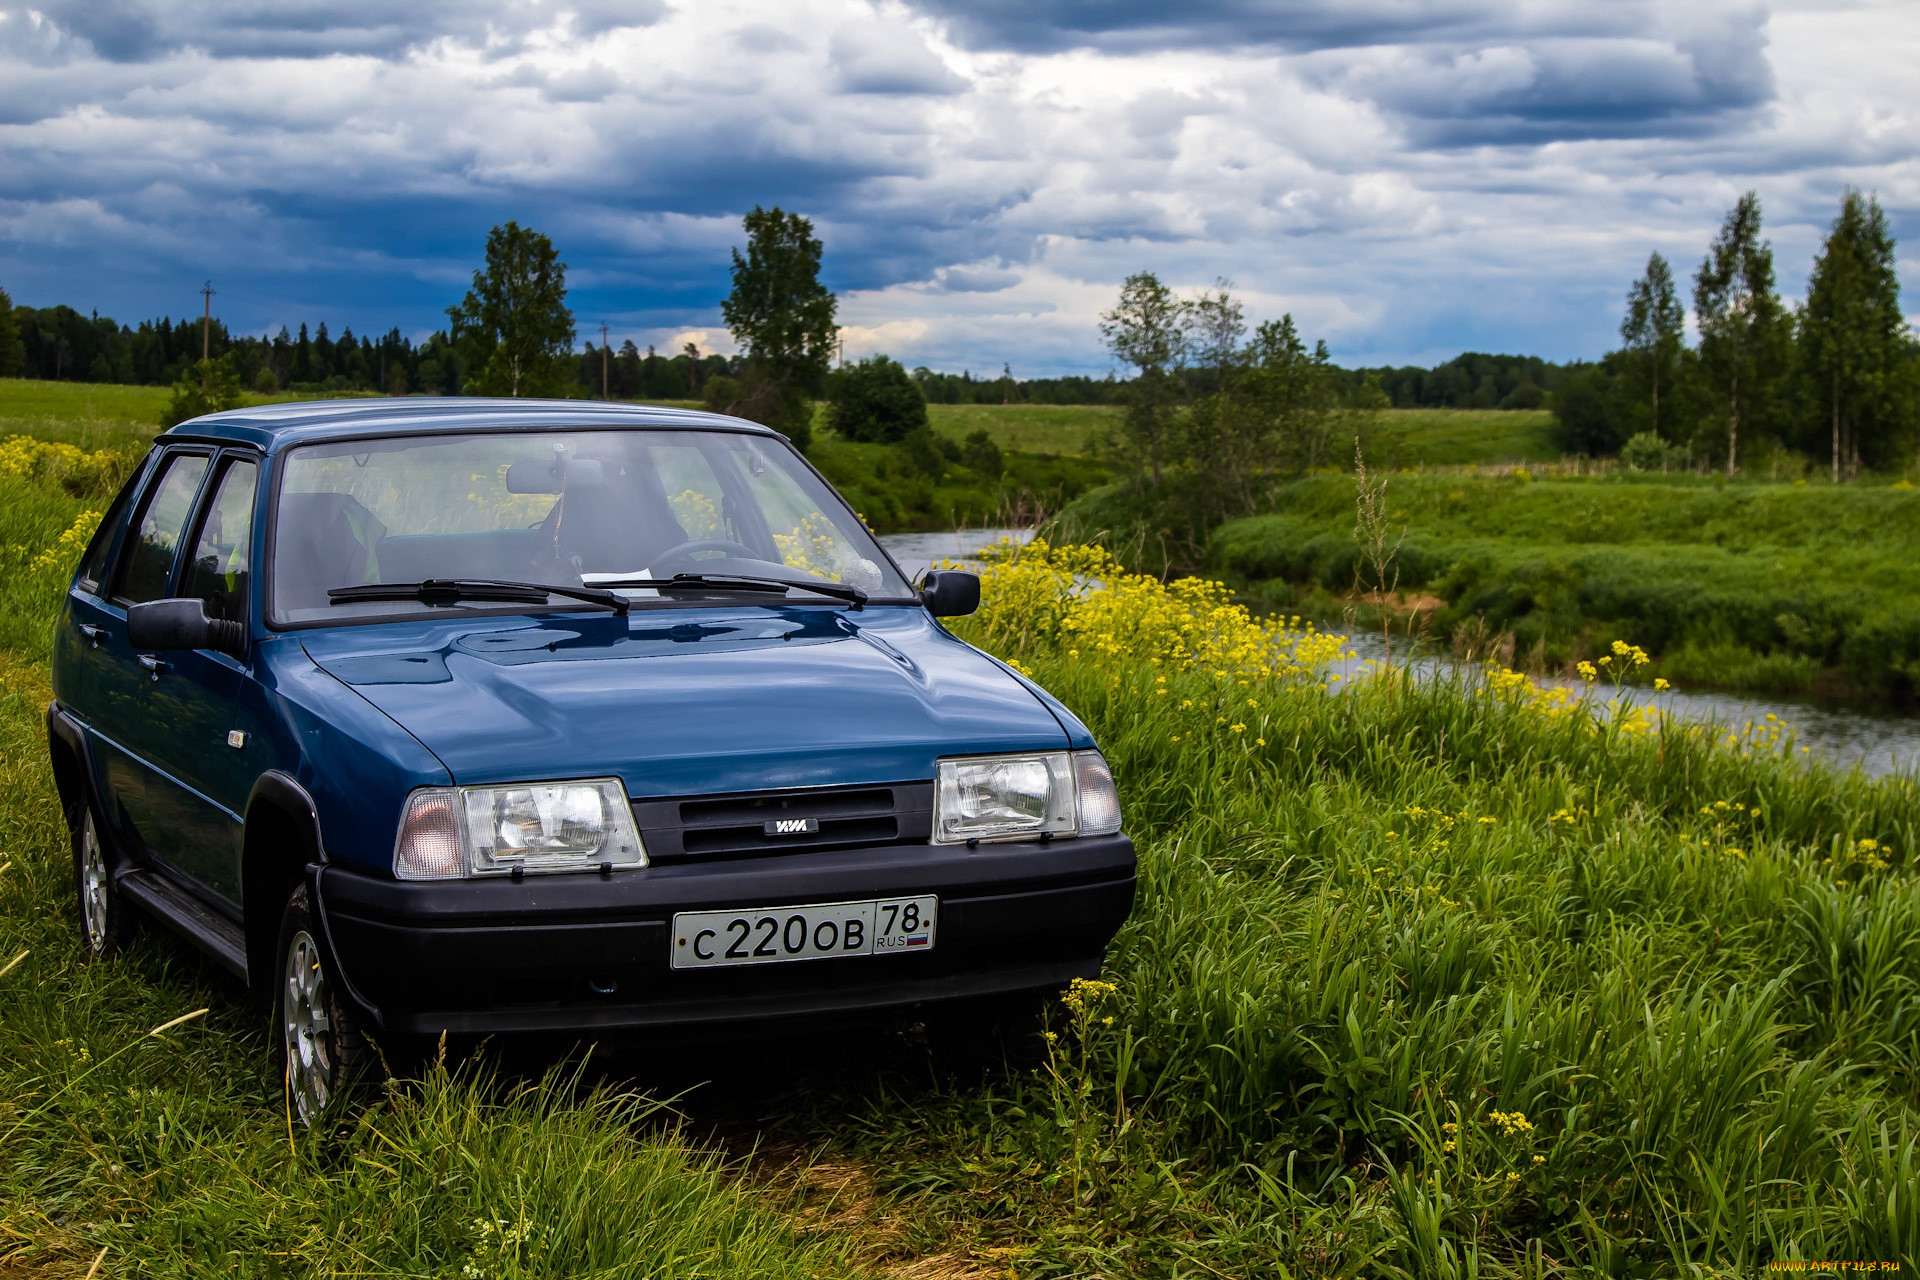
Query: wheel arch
[(282, 838), (68, 756)]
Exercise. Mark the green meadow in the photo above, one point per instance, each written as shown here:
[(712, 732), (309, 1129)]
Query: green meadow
[(1460, 437), (1028, 428)]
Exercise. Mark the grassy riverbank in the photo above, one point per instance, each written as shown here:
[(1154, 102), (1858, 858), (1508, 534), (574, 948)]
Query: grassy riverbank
[(1440, 979), (1764, 586), (1437, 979)]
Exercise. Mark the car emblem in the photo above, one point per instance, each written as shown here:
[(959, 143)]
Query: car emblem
[(793, 827)]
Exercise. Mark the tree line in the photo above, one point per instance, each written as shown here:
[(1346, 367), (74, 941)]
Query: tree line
[(514, 334), (1471, 380), (1834, 380)]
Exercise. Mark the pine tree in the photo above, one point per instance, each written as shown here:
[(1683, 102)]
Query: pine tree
[(513, 329), (1654, 324), (1852, 335), (1740, 318), (13, 351), (782, 317)]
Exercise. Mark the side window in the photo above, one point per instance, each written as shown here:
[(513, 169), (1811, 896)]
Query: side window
[(149, 555), (93, 565), (218, 571)]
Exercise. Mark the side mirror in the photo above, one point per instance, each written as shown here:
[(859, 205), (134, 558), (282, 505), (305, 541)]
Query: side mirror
[(183, 624), (950, 593)]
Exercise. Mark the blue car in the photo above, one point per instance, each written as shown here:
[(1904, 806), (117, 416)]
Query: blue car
[(482, 717)]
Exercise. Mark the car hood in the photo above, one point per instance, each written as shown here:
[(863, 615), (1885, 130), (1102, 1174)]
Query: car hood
[(693, 702)]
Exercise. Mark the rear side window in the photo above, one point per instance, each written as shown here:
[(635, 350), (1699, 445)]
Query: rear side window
[(149, 556), (217, 573), (93, 565)]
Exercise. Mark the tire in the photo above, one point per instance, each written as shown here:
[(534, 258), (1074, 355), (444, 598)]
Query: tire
[(318, 1039), (106, 921)]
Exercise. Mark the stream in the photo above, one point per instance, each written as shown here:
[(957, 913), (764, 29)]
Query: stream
[(1880, 742)]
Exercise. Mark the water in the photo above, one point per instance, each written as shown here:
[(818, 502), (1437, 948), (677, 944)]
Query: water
[(1878, 741), (915, 551)]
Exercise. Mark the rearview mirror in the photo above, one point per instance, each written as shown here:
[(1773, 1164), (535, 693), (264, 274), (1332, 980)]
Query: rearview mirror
[(183, 624), (950, 593), (551, 477)]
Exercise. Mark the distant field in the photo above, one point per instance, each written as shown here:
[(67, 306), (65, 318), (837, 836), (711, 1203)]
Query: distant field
[(1400, 437), (1458, 437), (1029, 428), (97, 415), (93, 415)]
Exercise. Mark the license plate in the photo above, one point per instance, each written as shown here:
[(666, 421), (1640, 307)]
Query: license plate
[(770, 935)]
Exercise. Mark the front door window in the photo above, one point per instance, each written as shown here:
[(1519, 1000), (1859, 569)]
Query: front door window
[(217, 573), (149, 559)]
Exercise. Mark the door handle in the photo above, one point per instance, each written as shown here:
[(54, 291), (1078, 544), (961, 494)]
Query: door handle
[(94, 635), (152, 664)]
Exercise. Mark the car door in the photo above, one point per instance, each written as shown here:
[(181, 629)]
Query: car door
[(82, 668), (134, 707), (204, 754)]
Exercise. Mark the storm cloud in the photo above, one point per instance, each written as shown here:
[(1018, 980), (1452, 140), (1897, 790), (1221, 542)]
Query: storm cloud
[(1408, 179)]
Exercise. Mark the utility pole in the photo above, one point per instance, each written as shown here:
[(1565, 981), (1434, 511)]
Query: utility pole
[(1006, 382), (206, 331), (604, 395)]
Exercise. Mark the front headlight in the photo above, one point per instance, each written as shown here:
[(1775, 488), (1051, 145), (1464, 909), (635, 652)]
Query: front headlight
[(448, 832), (1024, 797)]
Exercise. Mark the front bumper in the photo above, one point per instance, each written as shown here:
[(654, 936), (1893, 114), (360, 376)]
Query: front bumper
[(589, 952)]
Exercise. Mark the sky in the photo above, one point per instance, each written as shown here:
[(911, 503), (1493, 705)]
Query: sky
[(1409, 180)]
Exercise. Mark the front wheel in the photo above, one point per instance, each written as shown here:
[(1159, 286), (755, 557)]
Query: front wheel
[(321, 1047), (106, 922)]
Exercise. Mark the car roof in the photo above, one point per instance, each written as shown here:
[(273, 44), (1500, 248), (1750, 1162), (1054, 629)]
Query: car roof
[(277, 426)]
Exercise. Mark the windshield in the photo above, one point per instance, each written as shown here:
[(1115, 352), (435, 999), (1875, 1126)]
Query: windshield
[(575, 508)]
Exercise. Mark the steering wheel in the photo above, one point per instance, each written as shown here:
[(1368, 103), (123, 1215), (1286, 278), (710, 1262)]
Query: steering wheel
[(672, 554)]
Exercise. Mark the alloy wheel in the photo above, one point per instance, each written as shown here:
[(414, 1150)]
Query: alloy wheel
[(306, 1028)]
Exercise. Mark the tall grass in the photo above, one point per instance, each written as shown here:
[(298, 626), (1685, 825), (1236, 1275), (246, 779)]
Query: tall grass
[(1450, 978), (144, 1145)]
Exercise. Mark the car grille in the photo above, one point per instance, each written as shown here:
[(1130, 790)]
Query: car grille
[(700, 828)]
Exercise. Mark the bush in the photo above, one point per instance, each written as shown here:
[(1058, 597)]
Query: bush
[(1646, 451), (206, 387), (875, 401), (929, 453), (983, 456), (721, 393)]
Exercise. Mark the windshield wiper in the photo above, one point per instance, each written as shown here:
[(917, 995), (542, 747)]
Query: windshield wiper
[(742, 582), (454, 590)]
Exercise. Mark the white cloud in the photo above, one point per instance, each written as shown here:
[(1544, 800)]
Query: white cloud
[(878, 56)]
